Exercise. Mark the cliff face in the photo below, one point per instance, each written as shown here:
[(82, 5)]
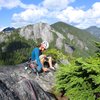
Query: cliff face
[(37, 31), (17, 84)]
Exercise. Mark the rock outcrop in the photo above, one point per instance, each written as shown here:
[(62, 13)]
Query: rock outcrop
[(37, 31), (17, 84)]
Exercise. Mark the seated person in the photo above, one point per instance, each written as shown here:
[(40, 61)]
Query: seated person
[(44, 58), (39, 58)]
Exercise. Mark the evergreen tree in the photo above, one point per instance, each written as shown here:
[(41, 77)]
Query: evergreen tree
[(80, 80)]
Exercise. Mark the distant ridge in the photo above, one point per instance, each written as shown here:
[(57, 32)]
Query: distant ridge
[(8, 29), (94, 30)]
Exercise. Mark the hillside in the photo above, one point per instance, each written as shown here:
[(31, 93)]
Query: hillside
[(18, 44), (94, 30), (82, 41)]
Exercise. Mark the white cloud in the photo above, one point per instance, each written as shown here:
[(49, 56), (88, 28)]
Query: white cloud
[(28, 16), (98, 21), (56, 4), (50, 10), (15, 3), (29, 6), (92, 16), (1, 28), (80, 17), (9, 3), (71, 15), (87, 23), (96, 10)]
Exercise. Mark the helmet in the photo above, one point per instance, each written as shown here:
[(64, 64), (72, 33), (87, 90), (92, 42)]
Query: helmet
[(45, 44)]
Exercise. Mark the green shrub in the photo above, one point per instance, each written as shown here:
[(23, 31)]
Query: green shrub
[(56, 54), (79, 80)]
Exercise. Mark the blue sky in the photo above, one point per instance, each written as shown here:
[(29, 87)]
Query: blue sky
[(79, 13)]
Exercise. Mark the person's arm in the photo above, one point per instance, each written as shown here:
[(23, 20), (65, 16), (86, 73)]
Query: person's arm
[(38, 59)]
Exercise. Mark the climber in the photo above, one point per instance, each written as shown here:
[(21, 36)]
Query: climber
[(39, 58)]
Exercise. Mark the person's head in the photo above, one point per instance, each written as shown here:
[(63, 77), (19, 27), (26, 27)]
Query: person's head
[(44, 45)]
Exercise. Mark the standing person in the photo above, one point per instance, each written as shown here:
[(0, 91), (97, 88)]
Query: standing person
[(39, 58)]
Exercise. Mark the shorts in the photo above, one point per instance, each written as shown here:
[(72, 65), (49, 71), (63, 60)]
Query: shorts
[(46, 58)]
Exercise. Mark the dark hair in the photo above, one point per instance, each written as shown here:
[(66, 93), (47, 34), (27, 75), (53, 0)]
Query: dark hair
[(38, 45)]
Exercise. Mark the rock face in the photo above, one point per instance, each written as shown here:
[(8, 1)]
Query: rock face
[(37, 31), (17, 84)]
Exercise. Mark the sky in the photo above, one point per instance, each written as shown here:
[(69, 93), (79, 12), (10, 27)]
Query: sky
[(79, 13)]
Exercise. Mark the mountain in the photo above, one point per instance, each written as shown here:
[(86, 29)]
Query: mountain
[(94, 30), (80, 41), (19, 43), (8, 29)]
